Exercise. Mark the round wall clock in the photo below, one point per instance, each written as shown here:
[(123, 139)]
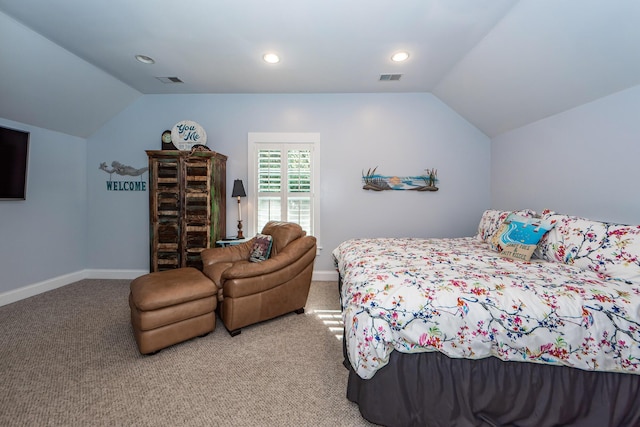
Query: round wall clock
[(187, 133), (166, 141)]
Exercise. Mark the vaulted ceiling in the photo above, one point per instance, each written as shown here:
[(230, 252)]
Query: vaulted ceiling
[(69, 65)]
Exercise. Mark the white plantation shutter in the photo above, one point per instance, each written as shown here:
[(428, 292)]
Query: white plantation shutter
[(299, 171), (285, 181), (269, 209), (269, 182), (269, 171), (299, 200), (284, 186)]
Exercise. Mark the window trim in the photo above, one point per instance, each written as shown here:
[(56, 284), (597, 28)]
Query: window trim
[(256, 141)]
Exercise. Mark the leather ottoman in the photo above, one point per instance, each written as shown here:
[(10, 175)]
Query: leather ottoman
[(171, 306)]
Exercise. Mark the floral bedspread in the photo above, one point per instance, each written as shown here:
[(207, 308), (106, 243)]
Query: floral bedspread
[(457, 297)]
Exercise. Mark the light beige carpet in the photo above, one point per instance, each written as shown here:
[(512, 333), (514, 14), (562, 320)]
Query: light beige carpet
[(68, 358)]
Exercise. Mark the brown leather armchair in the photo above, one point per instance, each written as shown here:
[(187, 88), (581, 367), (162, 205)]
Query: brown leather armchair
[(251, 292)]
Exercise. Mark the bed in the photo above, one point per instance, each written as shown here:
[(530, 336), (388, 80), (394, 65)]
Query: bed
[(450, 332)]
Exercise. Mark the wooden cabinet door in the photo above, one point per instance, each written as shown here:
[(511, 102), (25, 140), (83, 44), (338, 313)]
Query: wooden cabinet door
[(187, 206)]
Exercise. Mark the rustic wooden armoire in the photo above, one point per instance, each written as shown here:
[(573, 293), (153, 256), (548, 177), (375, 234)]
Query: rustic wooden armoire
[(187, 206)]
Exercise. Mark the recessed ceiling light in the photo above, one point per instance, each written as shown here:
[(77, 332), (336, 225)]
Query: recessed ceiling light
[(145, 59), (271, 58), (400, 56)]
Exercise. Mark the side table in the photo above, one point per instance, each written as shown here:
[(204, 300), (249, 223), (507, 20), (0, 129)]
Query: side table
[(230, 242)]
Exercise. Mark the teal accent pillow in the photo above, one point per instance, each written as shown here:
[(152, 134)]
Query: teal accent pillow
[(518, 236), (492, 220), (261, 248)]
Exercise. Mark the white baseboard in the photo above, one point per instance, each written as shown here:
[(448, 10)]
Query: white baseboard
[(40, 287), (115, 274), (325, 276), (66, 279)]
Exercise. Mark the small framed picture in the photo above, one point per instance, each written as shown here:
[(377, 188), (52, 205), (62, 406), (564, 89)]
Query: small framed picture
[(167, 144)]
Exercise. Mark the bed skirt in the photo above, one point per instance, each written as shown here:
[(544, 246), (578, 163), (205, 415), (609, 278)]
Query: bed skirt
[(431, 389)]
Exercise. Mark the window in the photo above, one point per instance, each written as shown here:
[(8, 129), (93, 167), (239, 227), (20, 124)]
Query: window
[(284, 179)]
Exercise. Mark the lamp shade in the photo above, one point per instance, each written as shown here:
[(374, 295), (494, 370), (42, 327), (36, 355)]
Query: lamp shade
[(238, 189)]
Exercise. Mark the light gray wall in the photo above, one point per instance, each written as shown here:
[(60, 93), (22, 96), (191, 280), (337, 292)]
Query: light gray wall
[(402, 134), (585, 162), (581, 162), (45, 235), (47, 86)]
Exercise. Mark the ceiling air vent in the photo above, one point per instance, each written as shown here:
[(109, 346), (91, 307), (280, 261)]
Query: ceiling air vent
[(169, 80), (389, 77)]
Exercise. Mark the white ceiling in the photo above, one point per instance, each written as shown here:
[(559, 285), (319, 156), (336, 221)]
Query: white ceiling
[(500, 64)]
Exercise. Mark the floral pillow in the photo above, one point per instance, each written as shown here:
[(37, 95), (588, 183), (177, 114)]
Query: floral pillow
[(492, 220), (611, 250), (261, 248), (518, 236)]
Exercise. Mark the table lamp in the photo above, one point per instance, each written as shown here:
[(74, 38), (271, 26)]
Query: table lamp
[(238, 191)]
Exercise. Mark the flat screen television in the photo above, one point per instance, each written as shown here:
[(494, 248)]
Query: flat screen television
[(14, 157)]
